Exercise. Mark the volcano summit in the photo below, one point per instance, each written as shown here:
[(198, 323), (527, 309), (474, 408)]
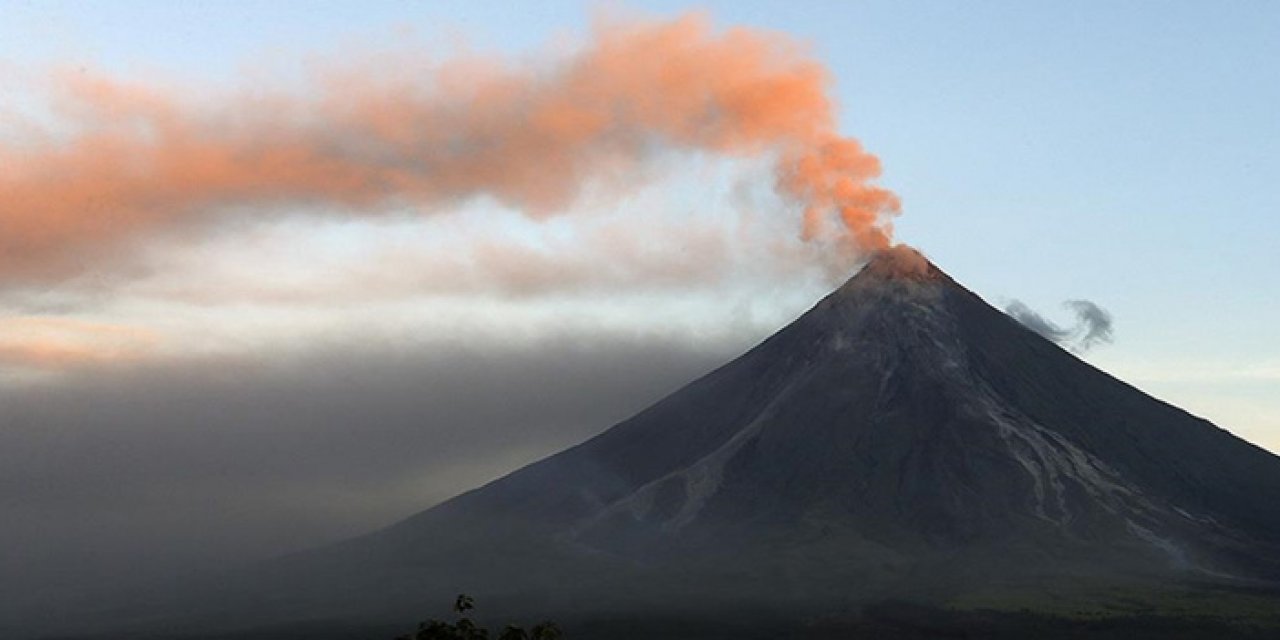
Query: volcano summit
[(900, 440), (901, 425)]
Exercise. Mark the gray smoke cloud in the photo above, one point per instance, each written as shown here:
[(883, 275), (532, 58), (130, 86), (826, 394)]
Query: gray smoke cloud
[(130, 473), (1093, 324), (1032, 320)]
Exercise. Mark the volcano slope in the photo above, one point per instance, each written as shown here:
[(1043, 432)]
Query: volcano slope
[(902, 440)]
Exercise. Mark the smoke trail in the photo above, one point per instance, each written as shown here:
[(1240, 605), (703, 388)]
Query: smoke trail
[(1093, 324), (130, 161), (1034, 321)]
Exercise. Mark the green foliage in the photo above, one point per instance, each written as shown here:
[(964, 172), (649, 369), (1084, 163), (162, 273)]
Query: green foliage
[(466, 629)]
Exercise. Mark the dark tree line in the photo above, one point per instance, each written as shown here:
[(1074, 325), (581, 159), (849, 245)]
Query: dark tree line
[(466, 629)]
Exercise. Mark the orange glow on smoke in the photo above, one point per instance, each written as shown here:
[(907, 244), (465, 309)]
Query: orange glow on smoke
[(52, 343), (139, 160)]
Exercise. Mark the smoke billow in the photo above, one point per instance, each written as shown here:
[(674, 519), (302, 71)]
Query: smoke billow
[(1092, 327), (1034, 321), (129, 160), (1094, 322), (147, 472)]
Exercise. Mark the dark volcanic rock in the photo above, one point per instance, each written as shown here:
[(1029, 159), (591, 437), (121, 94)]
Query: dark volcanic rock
[(901, 439), (900, 418)]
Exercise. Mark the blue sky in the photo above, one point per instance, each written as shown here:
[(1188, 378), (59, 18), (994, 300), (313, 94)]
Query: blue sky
[(1126, 153)]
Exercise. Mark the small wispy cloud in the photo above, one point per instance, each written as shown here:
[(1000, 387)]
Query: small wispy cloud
[(1093, 324)]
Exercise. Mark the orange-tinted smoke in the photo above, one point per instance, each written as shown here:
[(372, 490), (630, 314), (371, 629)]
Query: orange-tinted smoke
[(54, 343), (133, 160)]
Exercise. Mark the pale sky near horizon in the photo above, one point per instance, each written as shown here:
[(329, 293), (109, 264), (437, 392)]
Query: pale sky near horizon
[(1125, 153)]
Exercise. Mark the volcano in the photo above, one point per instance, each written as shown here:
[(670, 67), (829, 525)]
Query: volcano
[(900, 440)]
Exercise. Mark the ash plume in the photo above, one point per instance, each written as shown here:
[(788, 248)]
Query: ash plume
[(130, 161), (1093, 324)]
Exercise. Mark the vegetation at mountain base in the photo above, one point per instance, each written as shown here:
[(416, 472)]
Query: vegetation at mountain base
[(466, 629)]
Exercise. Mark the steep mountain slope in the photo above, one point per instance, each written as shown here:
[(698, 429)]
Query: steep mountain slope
[(902, 439)]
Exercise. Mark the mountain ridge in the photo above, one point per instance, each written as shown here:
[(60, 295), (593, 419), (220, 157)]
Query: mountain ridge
[(902, 439), (765, 451), (881, 294)]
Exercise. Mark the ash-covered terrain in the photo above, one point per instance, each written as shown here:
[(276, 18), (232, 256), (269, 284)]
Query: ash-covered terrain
[(902, 441)]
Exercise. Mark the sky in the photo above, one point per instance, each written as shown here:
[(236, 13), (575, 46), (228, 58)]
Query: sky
[(216, 372)]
